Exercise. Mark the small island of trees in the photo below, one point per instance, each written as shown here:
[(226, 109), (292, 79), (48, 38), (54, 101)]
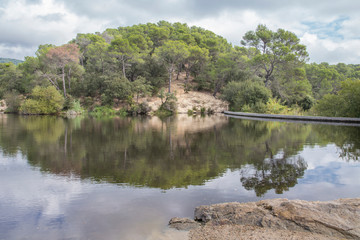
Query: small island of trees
[(268, 73)]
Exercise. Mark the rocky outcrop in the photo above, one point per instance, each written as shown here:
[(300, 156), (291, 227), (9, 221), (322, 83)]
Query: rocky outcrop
[(274, 218), (184, 224)]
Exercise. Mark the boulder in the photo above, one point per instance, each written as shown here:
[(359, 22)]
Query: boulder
[(185, 224), (335, 219)]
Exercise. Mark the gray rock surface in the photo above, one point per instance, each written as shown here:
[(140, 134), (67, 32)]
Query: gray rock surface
[(275, 219), (183, 224), (335, 219)]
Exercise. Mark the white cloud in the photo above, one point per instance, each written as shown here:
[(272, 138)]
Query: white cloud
[(330, 30), (28, 26)]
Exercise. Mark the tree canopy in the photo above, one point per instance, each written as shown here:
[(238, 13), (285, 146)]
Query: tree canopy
[(124, 63)]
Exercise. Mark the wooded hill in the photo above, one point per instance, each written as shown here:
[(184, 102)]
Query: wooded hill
[(7, 60), (267, 73)]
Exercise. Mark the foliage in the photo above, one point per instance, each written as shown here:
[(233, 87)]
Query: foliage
[(273, 106), (10, 79), (170, 103), (116, 88), (13, 101), (139, 109), (140, 87), (73, 107), (101, 111), (140, 60), (60, 59), (273, 49), (172, 53), (343, 104), (169, 106), (43, 101), (246, 96)]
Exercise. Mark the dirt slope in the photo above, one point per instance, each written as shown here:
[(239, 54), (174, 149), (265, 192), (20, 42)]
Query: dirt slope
[(191, 100)]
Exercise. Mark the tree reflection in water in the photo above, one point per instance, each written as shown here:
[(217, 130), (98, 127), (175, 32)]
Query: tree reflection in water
[(171, 153)]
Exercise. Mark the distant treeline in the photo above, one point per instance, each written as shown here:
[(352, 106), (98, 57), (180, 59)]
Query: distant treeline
[(267, 73), (7, 60)]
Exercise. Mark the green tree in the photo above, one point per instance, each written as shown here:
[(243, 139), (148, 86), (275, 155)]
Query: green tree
[(343, 104), (140, 87), (323, 78), (123, 52), (273, 49), (195, 61), (43, 101), (116, 88), (10, 79), (246, 96), (60, 58), (172, 53), (292, 87)]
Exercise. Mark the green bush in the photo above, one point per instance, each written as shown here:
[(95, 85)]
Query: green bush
[(169, 104), (345, 104), (306, 103), (249, 96), (43, 101), (139, 109), (13, 102), (116, 88), (273, 106), (100, 111)]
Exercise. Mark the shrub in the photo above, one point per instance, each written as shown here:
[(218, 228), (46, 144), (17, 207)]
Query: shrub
[(345, 104), (168, 107), (13, 102), (170, 103), (306, 103), (248, 96), (139, 109), (210, 111), (100, 111), (273, 106), (43, 101), (118, 88)]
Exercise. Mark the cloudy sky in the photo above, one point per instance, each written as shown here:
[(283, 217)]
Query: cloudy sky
[(328, 28)]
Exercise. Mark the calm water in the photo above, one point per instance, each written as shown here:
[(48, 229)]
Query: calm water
[(119, 178)]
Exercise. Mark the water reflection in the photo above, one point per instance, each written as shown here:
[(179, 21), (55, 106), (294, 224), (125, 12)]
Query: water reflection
[(175, 152), (147, 170)]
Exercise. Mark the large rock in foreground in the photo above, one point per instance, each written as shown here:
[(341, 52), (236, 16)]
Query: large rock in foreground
[(333, 220)]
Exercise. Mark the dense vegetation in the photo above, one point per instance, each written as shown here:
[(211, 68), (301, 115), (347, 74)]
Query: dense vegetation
[(268, 73)]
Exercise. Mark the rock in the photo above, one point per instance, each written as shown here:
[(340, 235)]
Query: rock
[(335, 219), (185, 224), (3, 105), (241, 232)]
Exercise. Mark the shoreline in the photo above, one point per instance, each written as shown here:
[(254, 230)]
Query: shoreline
[(342, 121), (295, 117)]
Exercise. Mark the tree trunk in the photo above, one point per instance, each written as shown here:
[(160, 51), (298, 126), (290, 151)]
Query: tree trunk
[(170, 73), (52, 82), (178, 72), (218, 86), (123, 67), (63, 80), (69, 77)]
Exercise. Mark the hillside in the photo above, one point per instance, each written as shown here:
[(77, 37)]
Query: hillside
[(6, 60), (191, 100)]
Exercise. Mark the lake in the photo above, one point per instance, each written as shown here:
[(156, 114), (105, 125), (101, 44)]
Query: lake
[(124, 178)]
